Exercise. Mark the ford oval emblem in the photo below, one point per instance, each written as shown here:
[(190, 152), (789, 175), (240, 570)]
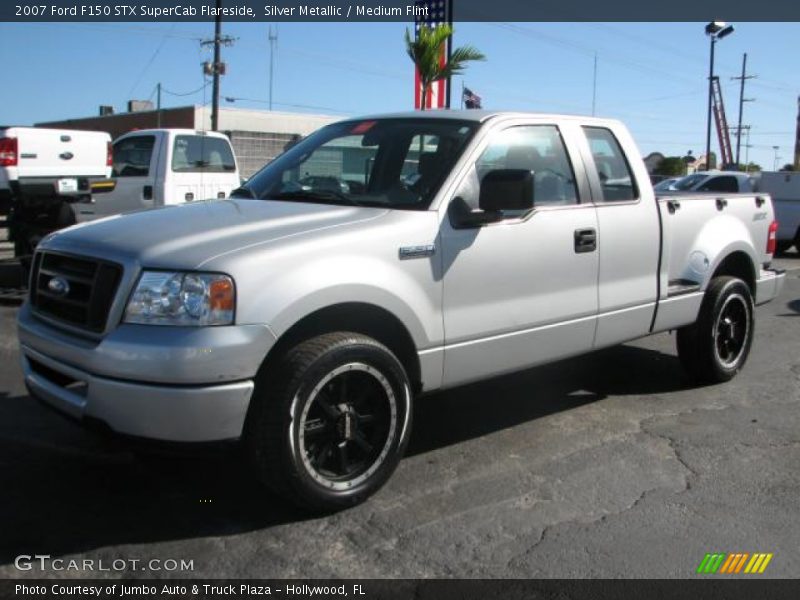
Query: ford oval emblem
[(58, 286)]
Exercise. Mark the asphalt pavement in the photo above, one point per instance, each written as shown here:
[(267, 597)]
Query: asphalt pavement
[(607, 465)]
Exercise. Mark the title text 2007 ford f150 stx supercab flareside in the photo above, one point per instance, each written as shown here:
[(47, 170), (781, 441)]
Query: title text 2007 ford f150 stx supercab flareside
[(377, 259)]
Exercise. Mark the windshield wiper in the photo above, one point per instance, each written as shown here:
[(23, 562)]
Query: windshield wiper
[(315, 196)]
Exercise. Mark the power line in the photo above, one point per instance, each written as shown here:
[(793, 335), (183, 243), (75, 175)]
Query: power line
[(150, 62), (310, 106), (200, 89), (575, 46)]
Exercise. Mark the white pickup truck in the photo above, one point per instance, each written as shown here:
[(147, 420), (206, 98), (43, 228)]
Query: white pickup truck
[(42, 172), (306, 320), (159, 167)]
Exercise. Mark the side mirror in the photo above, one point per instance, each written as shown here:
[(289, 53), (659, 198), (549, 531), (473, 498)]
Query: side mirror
[(506, 189)]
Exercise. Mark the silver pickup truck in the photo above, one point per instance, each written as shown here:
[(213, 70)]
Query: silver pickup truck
[(374, 261)]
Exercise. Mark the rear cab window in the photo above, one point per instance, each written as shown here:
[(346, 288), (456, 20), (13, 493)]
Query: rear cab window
[(202, 154), (132, 155), (617, 183)]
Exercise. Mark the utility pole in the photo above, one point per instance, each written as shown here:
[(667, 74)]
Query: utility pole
[(797, 139), (273, 41), (777, 158), (215, 87), (742, 100), (747, 151), (216, 68)]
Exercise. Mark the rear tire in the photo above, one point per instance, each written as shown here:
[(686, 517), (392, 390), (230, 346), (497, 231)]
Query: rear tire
[(782, 246), (330, 421), (716, 346)]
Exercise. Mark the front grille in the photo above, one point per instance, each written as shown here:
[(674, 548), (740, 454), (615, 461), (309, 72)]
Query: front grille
[(82, 294)]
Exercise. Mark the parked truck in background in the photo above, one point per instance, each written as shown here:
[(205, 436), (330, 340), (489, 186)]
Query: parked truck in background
[(727, 182), (159, 167), (43, 172), (784, 188), (306, 321)]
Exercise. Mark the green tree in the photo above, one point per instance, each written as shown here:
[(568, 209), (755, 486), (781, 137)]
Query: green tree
[(750, 167), (788, 167), (425, 52), (671, 166)]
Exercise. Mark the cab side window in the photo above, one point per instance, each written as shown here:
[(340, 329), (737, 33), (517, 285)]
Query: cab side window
[(535, 148), (132, 156), (616, 179), (724, 183)]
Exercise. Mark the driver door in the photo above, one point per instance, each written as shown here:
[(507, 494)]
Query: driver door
[(522, 290), (135, 163)]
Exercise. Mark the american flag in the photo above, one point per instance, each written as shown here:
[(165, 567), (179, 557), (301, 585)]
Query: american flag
[(439, 13), (471, 99)]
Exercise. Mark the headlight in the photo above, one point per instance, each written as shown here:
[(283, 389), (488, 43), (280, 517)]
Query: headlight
[(172, 298)]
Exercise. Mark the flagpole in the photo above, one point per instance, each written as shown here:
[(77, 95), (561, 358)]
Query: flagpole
[(449, 21)]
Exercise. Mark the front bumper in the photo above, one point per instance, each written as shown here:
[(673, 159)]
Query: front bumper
[(165, 383)]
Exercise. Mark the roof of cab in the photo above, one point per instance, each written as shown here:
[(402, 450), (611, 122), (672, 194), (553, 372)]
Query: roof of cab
[(476, 115), (175, 131)]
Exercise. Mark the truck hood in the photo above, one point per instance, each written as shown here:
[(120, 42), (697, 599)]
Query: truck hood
[(187, 235)]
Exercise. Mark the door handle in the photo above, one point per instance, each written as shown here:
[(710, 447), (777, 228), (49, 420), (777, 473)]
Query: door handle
[(672, 206), (585, 240), (147, 192), (759, 201)]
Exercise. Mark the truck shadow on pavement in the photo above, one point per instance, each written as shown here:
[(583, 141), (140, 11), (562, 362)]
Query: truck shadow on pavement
[(66, 491), (794, 305)]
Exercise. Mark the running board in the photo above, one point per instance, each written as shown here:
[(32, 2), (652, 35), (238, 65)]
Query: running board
[(679, 287)]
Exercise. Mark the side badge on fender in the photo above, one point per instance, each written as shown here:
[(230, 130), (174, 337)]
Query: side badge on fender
[(408, 252)]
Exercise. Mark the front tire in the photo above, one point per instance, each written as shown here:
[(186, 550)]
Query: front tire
[(715, 348), (329, 423)]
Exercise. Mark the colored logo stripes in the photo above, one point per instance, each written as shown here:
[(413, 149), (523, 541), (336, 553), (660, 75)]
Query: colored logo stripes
[(733, 563)]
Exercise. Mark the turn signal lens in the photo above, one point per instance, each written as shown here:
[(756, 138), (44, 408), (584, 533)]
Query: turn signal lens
[(221, 296)]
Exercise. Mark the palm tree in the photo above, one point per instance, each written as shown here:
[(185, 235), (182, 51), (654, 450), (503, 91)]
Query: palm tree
[(426, 50)]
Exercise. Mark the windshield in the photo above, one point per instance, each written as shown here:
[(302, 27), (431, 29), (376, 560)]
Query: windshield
[(392, 163), (667, 184), (688, 182)]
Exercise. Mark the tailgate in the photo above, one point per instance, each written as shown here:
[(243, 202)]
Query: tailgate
[(60, 153)]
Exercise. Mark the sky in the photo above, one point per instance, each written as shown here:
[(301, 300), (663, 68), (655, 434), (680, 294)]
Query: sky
[(652, 76)]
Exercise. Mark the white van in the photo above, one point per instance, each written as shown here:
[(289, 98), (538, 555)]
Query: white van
[(784, 187), (158, 167)]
